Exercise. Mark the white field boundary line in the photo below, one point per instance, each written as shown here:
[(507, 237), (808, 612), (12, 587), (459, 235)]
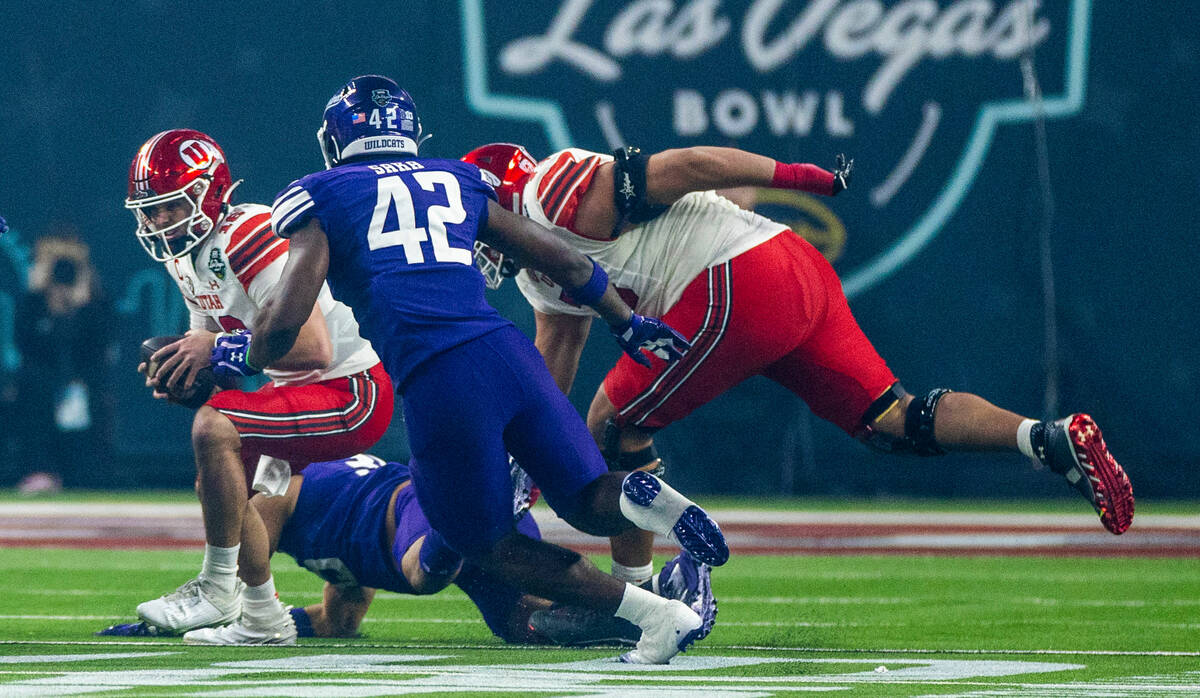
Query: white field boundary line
[(1084, 520), (309, 643)]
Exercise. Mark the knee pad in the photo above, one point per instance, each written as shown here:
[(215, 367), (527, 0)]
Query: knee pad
[(918, 436), (646, 459)]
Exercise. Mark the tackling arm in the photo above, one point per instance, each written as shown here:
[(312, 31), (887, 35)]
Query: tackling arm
[(538, 248), (284, 314)]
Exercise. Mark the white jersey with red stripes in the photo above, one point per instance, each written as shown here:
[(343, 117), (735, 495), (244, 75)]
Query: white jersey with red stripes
[(227, 278), (650, 264)]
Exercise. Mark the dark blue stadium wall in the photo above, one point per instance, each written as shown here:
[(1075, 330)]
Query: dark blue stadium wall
[(938, 242)]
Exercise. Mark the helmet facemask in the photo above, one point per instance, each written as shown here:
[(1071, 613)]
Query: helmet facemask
[(180, 237)]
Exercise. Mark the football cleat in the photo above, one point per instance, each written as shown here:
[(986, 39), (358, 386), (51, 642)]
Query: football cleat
[(1075, 449), (653, 505), (243, 632), (689, 581), (195, 604), (574, 626), (671, 629)]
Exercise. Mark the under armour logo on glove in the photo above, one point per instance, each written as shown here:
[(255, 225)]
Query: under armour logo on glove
[(652, 335), (842, 172), (229, 355)]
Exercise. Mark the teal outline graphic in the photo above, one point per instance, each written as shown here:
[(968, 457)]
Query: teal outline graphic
[(18, 257), (991, 115)]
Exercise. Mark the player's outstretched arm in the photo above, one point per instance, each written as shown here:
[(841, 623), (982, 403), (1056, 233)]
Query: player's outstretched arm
[(291, 304), (672, 173)]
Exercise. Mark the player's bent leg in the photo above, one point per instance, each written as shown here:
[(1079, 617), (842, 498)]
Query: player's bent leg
[(626, 449), (219, 471), (682, 578), (653, 505)]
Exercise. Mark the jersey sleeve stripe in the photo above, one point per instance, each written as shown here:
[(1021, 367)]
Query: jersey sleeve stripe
[(246, 229), (289, 207), (552, 175), (577, 178), (554, 198), (273, 253), (250, 251)]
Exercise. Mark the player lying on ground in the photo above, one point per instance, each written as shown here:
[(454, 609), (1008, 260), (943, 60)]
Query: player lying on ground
[(754, 299), (357, 524), (394, 233), (328, 398)]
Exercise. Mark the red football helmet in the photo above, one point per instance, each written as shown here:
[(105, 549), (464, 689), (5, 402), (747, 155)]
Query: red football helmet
[(185, 167), (511, 165)]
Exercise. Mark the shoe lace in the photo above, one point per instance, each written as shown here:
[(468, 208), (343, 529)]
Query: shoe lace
[(188, 589)]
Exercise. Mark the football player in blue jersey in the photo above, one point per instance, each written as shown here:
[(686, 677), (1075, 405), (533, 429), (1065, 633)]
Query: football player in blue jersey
[(394, 234), (356, 523)]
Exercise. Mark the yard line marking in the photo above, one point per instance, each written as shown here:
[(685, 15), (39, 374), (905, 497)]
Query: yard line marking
[(703, 647)]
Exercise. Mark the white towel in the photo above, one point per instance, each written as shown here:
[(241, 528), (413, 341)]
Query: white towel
[(272, 476)]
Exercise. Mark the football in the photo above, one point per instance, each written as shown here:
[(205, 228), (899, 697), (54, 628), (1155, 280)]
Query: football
[(202, 386)]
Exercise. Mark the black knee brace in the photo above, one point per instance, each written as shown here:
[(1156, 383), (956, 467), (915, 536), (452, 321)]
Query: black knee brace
[(644, 459), (918, 436), (918, 423)]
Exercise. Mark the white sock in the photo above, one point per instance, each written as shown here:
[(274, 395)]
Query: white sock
[(637, 604), (261, 602), (220, 566), (634, 575), (661, 515), (1024, 442)]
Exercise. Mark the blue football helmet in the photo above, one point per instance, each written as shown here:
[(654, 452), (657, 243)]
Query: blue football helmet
[(370, 115)]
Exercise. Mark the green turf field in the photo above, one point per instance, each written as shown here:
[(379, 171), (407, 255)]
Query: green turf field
[(866, 625)]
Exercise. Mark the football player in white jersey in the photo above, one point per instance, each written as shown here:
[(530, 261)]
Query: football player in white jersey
[(328, 398), (753, 299)]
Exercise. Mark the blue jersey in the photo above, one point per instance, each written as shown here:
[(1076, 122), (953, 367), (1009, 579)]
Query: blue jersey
[(337, 528), (401, 240)]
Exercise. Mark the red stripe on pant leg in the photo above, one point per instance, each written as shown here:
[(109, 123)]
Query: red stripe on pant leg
[(724, 305), (707, 337), (666, 379)]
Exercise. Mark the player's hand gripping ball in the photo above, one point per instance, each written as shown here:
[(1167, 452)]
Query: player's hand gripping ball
[(202, 386)]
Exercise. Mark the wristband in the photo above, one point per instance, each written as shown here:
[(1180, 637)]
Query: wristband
[(593, 290), (803, 176)]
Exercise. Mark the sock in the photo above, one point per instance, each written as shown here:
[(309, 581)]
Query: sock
[(636, 576), (660, 514), (304, 626), (637, 604), (220, 566), (261, 603), (1024, 440)]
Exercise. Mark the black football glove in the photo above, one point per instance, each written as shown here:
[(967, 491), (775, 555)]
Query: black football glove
[(841, 173)]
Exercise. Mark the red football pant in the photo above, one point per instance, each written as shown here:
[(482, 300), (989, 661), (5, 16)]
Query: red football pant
[(303, 424), (777, 310)]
